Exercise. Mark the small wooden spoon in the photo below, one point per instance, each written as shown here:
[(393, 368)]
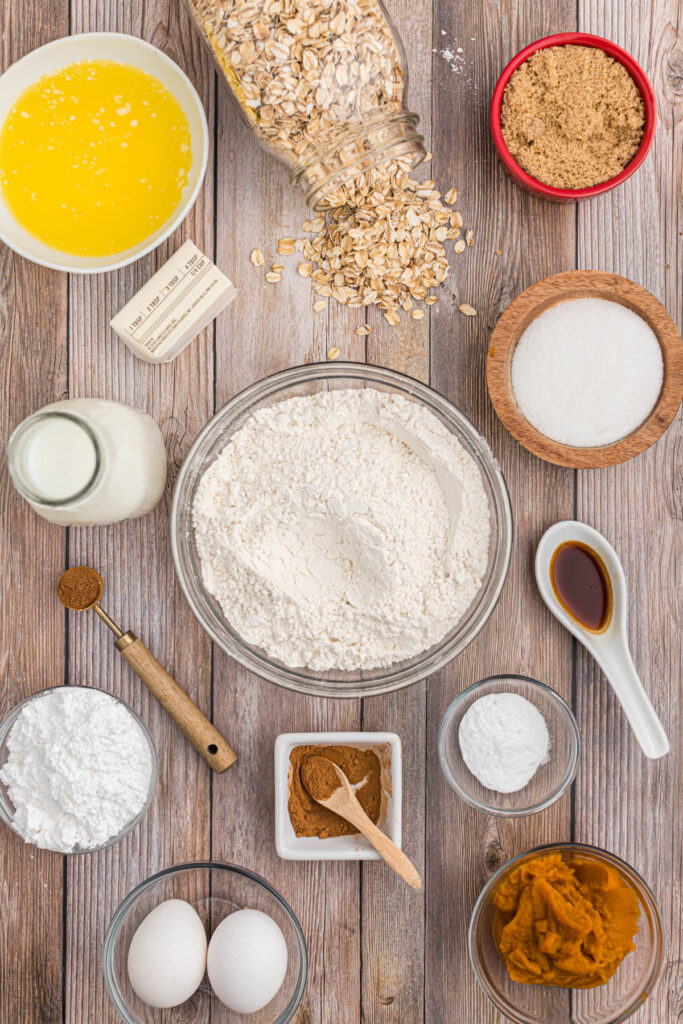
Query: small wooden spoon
[(329, 786)]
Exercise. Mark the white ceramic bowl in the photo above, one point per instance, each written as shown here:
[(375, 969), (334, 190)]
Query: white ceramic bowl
[(126, 50), (387, 745)]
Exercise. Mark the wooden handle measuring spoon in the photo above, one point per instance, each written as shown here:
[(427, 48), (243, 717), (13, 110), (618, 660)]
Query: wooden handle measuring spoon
[(329, 786), (80, 589)]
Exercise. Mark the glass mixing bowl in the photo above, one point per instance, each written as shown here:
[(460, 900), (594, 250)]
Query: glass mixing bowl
[(7, 810), (306, 380), (215, 890), (550, 780), (611, 1003)]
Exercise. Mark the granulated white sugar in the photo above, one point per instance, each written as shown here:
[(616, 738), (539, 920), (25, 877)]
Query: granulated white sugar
[(587, 372)]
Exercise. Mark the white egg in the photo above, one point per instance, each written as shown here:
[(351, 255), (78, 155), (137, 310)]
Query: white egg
[(247, 960), (167, 954)]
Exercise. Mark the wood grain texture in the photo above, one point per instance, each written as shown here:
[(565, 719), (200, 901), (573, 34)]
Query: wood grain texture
[(379, 953), (583, 284), (536, 239), (134, 558), (33, 371), (268, 328), (624, 802)]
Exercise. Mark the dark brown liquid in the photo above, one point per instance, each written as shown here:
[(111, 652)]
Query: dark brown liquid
[(582, 585)]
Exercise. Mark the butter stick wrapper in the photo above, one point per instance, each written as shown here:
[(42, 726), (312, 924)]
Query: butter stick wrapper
[(182, 298)]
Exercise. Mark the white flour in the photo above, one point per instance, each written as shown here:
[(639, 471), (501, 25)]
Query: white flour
[(78, 771), (503, 739), (343, 530)]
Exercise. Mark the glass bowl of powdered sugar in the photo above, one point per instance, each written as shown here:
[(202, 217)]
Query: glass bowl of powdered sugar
[(509, 746), (341, 530), (78, 769)]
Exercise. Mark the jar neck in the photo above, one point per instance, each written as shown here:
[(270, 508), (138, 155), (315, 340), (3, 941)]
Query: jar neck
[(387, 136), (56, 459)]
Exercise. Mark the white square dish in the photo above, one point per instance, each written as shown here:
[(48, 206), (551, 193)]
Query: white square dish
[(387, 746)]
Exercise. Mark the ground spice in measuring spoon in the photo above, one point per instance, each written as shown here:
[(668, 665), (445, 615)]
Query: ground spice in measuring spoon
[(308, 817), (80, 588)]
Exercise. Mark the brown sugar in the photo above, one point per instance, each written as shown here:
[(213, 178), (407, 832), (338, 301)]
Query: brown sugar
[(572, 117), (310, 818)]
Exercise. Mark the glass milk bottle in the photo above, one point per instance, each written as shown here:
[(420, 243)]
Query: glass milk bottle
[(88, 461)]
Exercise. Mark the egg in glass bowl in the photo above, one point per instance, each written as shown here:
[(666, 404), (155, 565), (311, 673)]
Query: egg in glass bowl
[(171, 926)]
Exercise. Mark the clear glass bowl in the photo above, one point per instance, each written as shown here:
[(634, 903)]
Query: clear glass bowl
[(6, 807), (215, 891), (621, 996), (305, 380), (550, 780)]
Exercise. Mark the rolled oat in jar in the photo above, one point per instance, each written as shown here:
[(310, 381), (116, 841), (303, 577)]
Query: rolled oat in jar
[(322, 83)]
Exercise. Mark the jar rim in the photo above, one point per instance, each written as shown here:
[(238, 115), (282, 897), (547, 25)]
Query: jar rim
[(402, 140), (88, 488)]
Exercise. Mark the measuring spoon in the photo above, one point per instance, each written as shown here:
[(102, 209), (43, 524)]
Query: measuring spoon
[(201, 733), (610, 647)]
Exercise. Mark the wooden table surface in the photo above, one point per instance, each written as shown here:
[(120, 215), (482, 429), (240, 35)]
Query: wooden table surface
[(379, 953)]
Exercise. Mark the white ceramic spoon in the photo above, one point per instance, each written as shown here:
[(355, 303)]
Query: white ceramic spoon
[(610, 649)]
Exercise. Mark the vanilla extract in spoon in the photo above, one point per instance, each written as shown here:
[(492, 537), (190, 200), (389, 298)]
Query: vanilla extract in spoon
[(582, 585)]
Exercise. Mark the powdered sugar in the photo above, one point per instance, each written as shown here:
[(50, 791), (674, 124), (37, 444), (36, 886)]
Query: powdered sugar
[(343, 530), (503, 739), (79, 769)]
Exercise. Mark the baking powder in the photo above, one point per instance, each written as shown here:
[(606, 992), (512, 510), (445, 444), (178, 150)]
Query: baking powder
[(503, 740), (343, 530), (79, 769)]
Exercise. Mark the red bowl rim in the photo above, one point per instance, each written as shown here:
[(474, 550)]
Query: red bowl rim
[(636, 73)]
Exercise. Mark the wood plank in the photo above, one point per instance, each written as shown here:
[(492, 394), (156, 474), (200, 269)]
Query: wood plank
[(33, 317), (393, 969), (624, 802), (537, 239), (179, 396), (268, 328)]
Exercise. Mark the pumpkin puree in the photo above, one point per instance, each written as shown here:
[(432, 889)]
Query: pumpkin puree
[(566, 923)]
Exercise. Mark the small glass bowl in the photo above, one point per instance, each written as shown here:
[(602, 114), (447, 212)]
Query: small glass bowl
[(550, 780), (611, 1003), (307, 380), (7, 810), (215, 891)]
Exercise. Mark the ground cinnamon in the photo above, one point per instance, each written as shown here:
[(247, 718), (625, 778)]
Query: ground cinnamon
[(319, 777), (79, 588), (310, 818)]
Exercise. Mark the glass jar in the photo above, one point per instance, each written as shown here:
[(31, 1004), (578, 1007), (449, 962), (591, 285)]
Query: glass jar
[(321, 83), (88, 461)]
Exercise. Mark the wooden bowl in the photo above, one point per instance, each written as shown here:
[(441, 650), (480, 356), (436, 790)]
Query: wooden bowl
[(584, 284)]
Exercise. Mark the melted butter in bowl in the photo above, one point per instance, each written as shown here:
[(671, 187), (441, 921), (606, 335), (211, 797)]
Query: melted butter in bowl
[(94, 157)]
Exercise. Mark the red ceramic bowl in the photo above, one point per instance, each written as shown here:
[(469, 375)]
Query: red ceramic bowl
[(570, 195)]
